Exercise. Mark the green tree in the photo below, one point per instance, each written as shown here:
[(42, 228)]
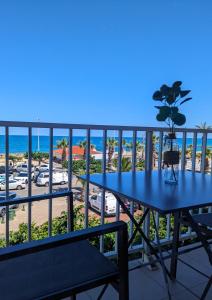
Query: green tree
[(38, 156), (63, 144), (126, 164), (14, 158)]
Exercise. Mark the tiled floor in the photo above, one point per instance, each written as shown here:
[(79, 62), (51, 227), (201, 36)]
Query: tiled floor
[(149, 285)]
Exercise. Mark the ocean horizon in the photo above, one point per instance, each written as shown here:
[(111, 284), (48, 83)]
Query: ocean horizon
[(19, 143)]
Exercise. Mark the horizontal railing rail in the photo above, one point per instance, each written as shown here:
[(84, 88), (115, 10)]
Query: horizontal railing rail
[(97, 127), (35, 198)]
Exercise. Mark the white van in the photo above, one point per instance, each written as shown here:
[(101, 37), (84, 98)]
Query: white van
[(110, 203), (57, 178)]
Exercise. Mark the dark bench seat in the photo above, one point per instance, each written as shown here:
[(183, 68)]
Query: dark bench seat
[(57, 271)]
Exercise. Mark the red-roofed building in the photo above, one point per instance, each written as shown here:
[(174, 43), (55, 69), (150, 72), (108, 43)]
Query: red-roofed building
[(78, 152)]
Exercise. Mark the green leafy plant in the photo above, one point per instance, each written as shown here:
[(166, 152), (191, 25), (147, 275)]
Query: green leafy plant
[(171, 99)]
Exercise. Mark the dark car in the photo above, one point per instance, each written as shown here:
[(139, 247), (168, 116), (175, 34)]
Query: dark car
[(3, 170), (2, 198)]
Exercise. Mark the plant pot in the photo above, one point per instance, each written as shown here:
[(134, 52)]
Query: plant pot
[(171, 157)]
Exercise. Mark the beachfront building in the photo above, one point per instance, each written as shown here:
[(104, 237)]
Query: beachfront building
[(78, 153)]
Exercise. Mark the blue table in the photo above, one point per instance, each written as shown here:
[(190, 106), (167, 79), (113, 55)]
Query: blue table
[(148, 188)]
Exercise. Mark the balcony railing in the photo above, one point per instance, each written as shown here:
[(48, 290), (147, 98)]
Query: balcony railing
[(194, 145)]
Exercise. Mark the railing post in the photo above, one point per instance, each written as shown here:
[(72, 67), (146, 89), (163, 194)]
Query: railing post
[(104, 167), (148, 167), (7, 228), (50, 181), (29, 182), (70, 204), (88, 137)]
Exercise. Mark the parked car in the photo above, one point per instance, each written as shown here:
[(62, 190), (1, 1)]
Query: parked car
[(13, 185), (95, 202), (2, 198), (3, 177), (23, 177), (44, 167), (3, 170), (23, 168), (57, 178)]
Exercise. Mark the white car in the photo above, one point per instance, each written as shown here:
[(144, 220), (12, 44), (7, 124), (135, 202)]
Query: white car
[(44, 167), (13, 185), (23, 168), (57, 178), (23, 177), (95, 202)]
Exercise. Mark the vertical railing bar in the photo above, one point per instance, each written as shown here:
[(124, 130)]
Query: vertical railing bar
[(119, 169), (104, 166), (157, 222), (7, 228), (148, 167), (134, 159), (88, 145), (148, 150), (29, 182), (134, 151), (183, 153), (160, 150), (119, 151), (168, 226), (70, 212), (50, 181), (204, 145), (194, 150)]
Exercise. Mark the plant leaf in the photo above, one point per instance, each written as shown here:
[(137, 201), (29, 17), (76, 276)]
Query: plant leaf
[(157, 96), (164, 113), (170, 99), (178, 119), (161, 117), (184, 93), (164, 89), (174, 110), (187, 99), (177, 84)]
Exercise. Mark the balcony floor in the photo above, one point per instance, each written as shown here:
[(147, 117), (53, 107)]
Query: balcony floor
[(145, 284)]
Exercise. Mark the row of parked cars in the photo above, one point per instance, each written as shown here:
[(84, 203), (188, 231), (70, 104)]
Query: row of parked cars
[(40, 175)]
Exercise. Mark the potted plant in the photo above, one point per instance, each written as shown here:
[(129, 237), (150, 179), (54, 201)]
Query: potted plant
[(171, 99)]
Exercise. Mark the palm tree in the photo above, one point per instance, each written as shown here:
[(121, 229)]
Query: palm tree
[(63, 144), (126, 164), (203, 125), (83, 145), (111, 144)]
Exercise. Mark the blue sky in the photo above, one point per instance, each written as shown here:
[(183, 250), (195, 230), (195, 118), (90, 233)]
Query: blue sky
[(100, 61)]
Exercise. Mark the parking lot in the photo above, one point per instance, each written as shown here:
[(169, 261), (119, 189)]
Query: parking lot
[(40, 208)]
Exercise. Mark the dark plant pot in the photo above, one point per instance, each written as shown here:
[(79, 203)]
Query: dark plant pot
[(171, 157)]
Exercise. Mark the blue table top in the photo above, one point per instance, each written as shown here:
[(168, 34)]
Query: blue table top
[(148, 188)]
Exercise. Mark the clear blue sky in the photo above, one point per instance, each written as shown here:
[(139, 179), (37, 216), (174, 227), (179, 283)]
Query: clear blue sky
[(100, 61)]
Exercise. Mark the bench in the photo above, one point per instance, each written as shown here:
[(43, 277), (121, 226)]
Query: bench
[(63, 266)]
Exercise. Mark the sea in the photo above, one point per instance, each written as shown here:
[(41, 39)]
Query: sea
[(19, 143)]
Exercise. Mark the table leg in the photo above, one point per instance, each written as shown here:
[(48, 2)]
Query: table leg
[(174, 255), (146, 240)]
